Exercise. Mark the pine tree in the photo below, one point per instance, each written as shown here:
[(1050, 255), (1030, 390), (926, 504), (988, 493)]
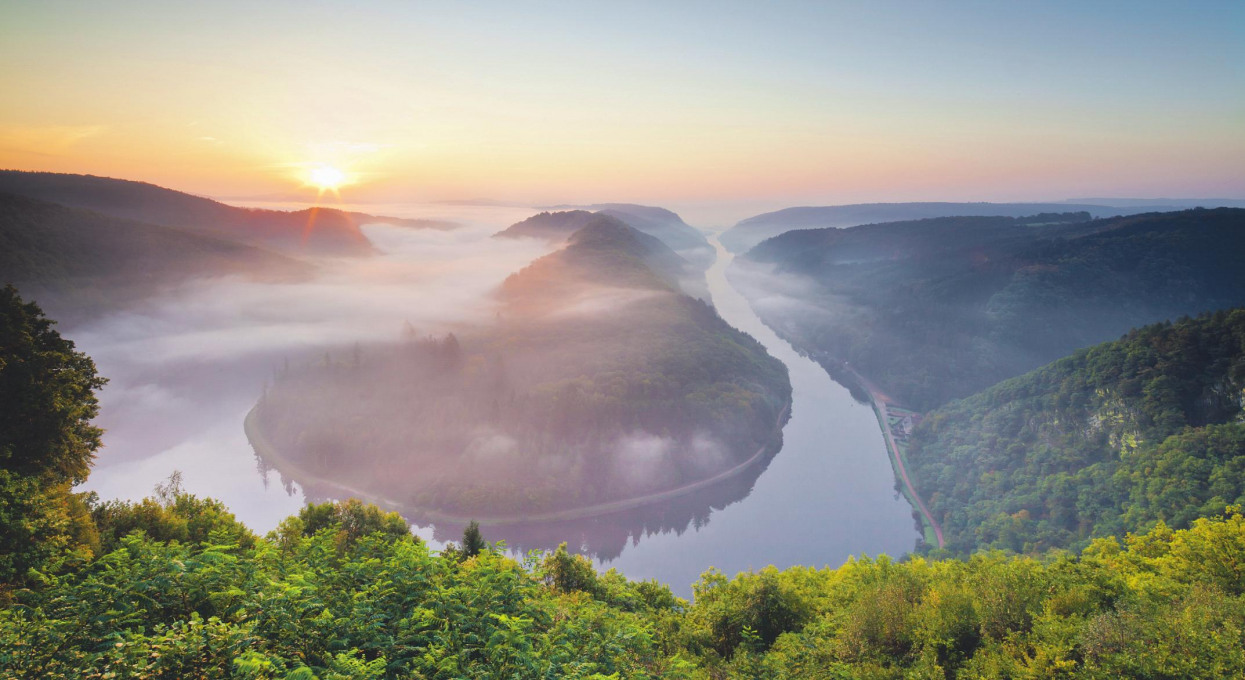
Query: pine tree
[(473, 542)]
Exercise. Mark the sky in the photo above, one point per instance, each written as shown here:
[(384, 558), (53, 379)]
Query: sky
[(753, 105)]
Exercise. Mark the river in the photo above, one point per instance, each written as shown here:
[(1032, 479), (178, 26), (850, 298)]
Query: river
[(183, 382), (827, 495)]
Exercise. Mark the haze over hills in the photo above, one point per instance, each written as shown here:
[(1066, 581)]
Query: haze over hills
[(659, 222), (599, 382), (1110, 440), (314, 231), (694, 252), (937, 309), (662, 223), (751, 231), (81, 264)]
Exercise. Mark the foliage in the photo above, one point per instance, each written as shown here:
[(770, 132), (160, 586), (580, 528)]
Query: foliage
[(172, 515), (1170, 603), (1115, 438), (473, 542), (47, 400)]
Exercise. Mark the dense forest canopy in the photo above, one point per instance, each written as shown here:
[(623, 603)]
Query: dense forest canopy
[(342, 590), (598, 382), (938, 309), (1113, 439)]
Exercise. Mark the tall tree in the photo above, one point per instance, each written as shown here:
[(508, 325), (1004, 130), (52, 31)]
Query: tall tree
[(47, 442)]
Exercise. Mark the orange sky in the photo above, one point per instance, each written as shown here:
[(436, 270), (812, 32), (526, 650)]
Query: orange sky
[(700, 103)]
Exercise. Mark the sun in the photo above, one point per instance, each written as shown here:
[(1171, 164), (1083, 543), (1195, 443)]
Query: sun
[(326, 177)]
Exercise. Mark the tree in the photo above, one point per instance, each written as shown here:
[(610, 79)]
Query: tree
[(47, 397), (47, 442), (473, 542)]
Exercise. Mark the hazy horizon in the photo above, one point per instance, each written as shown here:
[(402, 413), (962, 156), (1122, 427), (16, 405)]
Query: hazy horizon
[(721, 111)]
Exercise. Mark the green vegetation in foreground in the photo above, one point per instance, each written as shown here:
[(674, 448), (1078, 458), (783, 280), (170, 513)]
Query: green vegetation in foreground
[(1112, 439), (344, 591), (174, 587)]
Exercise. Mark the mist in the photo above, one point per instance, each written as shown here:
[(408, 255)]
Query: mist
[(185, 367)]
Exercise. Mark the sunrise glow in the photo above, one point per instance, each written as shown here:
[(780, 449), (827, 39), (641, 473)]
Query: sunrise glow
[(326, 177), (735, 105)]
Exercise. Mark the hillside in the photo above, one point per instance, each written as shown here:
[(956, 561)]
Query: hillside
[(1110, 440), (749, 232), (598, 383), (683, 265), (659, 222), (938, 309), (318, 231), (79, 263), (550, 226)]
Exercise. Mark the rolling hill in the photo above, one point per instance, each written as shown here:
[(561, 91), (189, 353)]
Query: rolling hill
[(753, 230), (685, 265), (79, 263), (315, 231), (938, 309)]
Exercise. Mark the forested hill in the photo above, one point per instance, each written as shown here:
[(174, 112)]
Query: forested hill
[(602, 250), (664, 224), (597, 382), (753, 230), (321, 231), (660, 223), (80, 263), (938, 309), (1110, 440)]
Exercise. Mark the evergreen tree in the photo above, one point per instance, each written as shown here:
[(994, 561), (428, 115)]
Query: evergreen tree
[(473, 542)]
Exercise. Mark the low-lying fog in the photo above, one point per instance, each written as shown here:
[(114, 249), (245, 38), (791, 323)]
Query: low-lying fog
[(185, 369)]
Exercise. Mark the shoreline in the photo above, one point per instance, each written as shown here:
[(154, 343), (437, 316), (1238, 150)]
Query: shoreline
[(881, 404), (269, 454)]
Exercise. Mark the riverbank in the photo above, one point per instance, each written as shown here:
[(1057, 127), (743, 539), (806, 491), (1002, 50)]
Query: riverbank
[(270, 455), (884, 408)]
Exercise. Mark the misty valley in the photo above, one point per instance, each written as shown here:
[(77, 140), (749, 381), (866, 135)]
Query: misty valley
[(614, 389), (598, 382), (606, 341)]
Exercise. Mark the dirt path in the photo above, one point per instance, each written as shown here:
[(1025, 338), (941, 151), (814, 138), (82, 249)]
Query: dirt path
[(881, 404)]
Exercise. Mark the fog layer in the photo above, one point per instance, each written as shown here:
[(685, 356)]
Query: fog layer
[(186, 366)]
